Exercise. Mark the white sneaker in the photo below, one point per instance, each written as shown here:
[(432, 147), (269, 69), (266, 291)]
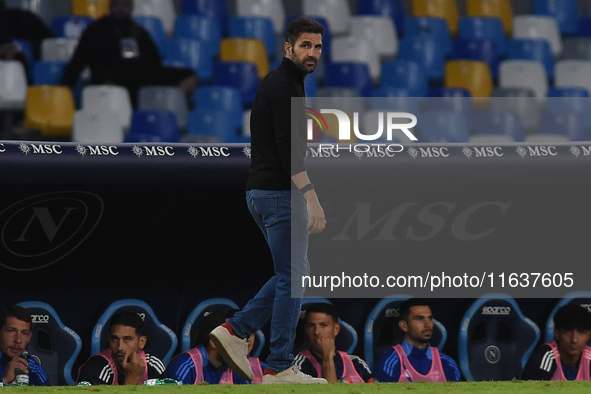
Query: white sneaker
[(233, 350), (291, 376)]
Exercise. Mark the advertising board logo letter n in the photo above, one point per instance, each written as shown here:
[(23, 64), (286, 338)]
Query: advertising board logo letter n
[(50, 227)]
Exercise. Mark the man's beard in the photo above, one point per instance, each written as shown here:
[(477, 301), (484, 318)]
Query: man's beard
[(302, 66)]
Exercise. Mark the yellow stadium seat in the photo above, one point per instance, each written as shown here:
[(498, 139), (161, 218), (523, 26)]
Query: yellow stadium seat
[(446, 9), (471, 75), (492, 8), (93, 8), (245, 50), (50, 109)]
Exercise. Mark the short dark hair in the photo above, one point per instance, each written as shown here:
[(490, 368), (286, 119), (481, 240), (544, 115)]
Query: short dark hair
[(130, 319), (210, 321), (572, 316), (322, 307), (404, 310), (299, 26), (15, 311)]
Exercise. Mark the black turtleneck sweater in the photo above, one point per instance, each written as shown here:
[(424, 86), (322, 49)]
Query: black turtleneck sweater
[(273, 133)]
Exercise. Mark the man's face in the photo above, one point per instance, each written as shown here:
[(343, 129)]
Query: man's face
[(320, 325), (14, 337), (121, 8), (419, 327), (571, 342), (306, 51), (123, 341)]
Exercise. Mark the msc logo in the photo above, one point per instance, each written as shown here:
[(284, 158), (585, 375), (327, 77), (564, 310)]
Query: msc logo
[(103, 150), (428, 152), (485, 151), (159, 150), (214, 151), (2, 148), (41, 230), (40, 318), (496, 310)]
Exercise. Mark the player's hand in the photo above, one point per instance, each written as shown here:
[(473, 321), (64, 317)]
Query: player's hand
[(9, 371), (134, 367), (316, 219), (326, 348)]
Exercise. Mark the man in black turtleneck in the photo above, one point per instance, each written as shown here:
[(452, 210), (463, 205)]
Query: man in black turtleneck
[(121, 52)]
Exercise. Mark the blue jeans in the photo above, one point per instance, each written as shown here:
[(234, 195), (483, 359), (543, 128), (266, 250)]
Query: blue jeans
[(273, 212)]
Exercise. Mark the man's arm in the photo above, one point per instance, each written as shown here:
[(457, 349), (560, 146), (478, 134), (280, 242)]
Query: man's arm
[(15, 363), (134, 367), (316, 218), (387, 369), (450, 368), (80, 58), (362, 368), (181, 368), (37, 375), (96, 371), (541, 364)]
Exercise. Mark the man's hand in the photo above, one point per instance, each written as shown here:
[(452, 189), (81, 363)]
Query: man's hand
[(16, 363), (316, 219), (134, 367), (326, 349)]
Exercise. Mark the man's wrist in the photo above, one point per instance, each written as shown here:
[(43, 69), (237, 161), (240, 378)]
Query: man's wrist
[(307, 188)]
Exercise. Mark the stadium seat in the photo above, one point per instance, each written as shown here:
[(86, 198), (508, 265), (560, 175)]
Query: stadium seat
[(573, 73), (576, 48), (245, 50), (155, 28), (501, 9), (48, 72), (94, 8), (576, 297), (13, 85), (27, 49), (44, 9), (52, 343), (562, 99), (392, 8), (153, 126), (436, 28), (272, 9), (450, 99), (567, 123), (395, 99), (353, 49), (382, 330), (58, 48), (522, 101), (478, 49), (212, 125), (472, 75), (108, 99), (492, 330), (260, 27), (70, 26), (532, 49), (498, 123), (345, 341), (97, 128), (490, 139), (223, 98), (442, 126), (240, 75), (377, 29), (524, 74), (425, 51), (194, 54), (483, 28), (546, 139), (446, 9), (49, 109), (311, 85), (584, 26), (200, 311), (336, 12), (200, 28), (169, 98), (215, 9), (540, 27), (162, 343), (370, 123), (405, 74), (163, 9), (566, 13), (349, 75)]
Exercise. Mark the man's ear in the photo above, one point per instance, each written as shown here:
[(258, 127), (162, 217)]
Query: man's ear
[(403, 325), (556, 334), (337, 328), (143, 340), (288, 48), (212, 345)]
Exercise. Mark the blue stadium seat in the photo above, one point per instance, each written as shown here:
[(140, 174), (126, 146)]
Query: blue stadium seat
[(532, 49), (55, 345), (570, 99), (450, 99), (48, 72), (210, 8), (254, 27), (576, 297), (382, 330), (27, 49), (311, 85), (426, 52), (566, 13), (568, 123), (522, 101), (349, 75), (224, 98), (190, 53), (162, 341), (391, 8), (431, 26), (498, 122), (210, 125), (155, 28), (405, 74), (153, 126), (70, 26), (390, 98), (478, 49), (241, 75), (200, 28), (345, 341), (584, 26), (485, 28), (213, 304), (443, 126), (495, 339)]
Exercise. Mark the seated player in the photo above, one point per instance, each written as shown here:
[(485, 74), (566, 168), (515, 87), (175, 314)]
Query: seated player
[(15, 335), (124, 362), (322, 360), (567, 356), (415, 359), (203, 363)]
